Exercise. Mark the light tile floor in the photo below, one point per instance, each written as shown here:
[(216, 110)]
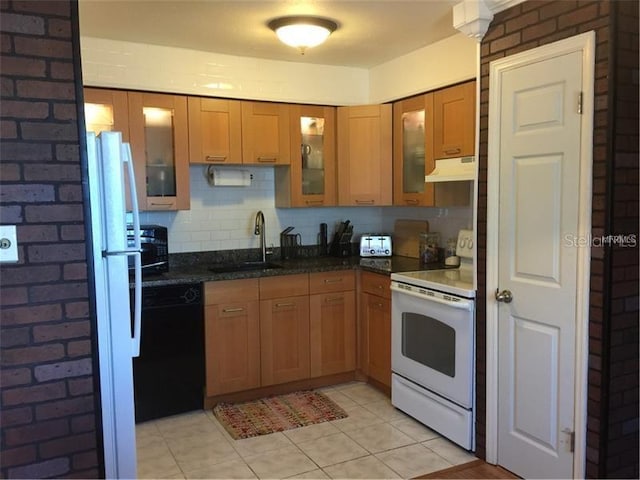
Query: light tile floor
[(374, 441)]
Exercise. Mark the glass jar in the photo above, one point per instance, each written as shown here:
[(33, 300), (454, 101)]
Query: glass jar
[(429, 243), (451, 248)]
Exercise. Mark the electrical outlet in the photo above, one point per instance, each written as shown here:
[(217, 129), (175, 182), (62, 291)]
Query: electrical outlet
[(8, 244)]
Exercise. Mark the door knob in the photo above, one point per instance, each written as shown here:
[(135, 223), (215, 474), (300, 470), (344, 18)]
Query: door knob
[(504, 296)]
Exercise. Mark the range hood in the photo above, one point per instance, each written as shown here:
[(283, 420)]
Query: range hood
[(453, 170)]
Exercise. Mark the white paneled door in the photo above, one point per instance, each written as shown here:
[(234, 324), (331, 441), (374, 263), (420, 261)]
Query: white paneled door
[(540, 128)]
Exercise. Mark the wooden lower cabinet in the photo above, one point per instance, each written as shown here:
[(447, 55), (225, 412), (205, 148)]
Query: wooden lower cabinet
[(276, 330), (232, 336), (377, 311), (284, 328), (284, 339), (333, 324), (375, 317)]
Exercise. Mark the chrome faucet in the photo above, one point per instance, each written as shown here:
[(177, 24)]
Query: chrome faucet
[(259, 230)]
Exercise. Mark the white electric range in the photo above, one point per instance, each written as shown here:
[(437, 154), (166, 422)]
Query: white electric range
[(433, 345)]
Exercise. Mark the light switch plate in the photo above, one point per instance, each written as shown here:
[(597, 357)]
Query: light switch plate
[(8, 244)]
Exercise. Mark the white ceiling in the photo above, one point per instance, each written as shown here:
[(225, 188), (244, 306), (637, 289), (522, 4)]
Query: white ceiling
[(369, 33)]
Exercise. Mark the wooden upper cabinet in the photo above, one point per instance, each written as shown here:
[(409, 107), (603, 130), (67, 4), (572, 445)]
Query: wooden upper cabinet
[(106, 111), (215, 131), (454, 121), (310, 181), (413, 151), (160, 147), (265, 133), (365, 155)]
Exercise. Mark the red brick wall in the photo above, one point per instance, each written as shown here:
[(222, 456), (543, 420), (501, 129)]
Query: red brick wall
[(48, 389), (613, 327), (620, 445)]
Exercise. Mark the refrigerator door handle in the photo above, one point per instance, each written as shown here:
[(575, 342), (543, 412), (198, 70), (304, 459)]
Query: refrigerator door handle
[(137, 256), (137, 305), (128, 251)]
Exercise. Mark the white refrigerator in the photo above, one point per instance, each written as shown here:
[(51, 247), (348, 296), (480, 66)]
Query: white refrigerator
[(110, 175)]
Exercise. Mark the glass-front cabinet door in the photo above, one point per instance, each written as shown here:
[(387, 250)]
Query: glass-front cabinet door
[(413, 150), (159, 143), (312, 155), (106, 111), (310, 179)]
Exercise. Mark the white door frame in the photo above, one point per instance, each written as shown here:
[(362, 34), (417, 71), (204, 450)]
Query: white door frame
[(586, 43)]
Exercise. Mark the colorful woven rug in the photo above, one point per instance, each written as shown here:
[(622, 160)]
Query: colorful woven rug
[(275, 414)]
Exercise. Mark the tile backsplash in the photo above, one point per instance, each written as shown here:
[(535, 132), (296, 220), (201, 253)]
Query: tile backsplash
[(222, 218)]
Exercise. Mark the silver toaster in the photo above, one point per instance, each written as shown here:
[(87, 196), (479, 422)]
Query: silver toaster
[(375, 245)]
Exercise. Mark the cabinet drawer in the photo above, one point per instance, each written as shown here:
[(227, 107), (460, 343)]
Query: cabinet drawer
[(376, 284), (326, 282), (284, 286), (227, 291)]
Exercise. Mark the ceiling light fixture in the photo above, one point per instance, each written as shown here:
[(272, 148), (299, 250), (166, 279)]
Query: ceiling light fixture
[(302, 31)]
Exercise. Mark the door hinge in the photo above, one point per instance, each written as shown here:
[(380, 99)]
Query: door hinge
[(580, 103), (572, 442), (572, 439)]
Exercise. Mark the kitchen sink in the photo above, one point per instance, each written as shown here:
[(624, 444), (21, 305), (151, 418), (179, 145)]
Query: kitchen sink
[(242, 266)]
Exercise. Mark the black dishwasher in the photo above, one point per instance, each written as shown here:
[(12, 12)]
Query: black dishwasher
[(169, 374)]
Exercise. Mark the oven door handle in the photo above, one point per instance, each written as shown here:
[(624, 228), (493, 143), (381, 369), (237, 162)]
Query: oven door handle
[(460, 304)]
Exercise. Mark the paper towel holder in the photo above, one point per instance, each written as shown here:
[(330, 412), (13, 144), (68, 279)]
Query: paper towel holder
[(227, 177)]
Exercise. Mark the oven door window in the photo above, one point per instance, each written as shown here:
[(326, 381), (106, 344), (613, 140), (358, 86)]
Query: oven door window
[(429, 342)]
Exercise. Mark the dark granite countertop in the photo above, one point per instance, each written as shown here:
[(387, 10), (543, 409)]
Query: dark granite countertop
[(194, 268)]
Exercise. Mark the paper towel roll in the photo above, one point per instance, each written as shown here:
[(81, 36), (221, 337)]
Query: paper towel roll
[(227, 177)]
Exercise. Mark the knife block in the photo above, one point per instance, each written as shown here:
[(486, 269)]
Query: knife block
[(289, 245), (341, 247)]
